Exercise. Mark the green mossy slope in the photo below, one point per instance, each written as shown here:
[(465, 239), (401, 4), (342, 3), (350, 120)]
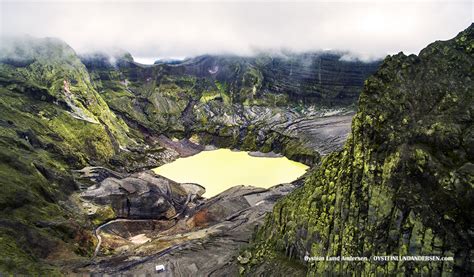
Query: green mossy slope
[(51, 122), (402, 185)]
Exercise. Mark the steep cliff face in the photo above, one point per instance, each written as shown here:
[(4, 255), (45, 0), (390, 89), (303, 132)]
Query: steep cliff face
[(324, 79), (315, 78), (312, 78), (402, 185)]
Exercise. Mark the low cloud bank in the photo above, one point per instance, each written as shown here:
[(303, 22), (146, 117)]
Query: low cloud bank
[(149, 30)]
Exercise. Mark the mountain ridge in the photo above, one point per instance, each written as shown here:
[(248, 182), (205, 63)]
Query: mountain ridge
[(401, 186)]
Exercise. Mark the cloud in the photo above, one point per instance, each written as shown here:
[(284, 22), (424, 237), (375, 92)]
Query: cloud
[(155, 29)]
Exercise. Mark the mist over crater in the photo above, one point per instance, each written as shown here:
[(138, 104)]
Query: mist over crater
[(155, 29)]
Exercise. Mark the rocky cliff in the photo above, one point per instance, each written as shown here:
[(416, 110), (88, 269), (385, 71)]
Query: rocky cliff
[(320, 78), (401, 186)]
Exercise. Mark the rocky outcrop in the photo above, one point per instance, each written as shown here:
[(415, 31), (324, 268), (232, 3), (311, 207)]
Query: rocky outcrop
[(402, 185), (142, 195), (300, 136)]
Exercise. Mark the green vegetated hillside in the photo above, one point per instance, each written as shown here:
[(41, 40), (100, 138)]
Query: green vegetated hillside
[(402, 185), (52, 121)]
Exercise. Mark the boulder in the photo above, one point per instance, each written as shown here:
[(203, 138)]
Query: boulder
[(143, 195)]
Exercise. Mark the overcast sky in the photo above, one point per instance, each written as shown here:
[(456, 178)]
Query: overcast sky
[(153, 29)]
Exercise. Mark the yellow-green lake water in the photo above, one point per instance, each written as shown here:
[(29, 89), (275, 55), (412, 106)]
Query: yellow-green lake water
[(218, 170)]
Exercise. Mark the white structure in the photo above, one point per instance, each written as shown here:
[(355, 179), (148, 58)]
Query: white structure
[(160, 268)]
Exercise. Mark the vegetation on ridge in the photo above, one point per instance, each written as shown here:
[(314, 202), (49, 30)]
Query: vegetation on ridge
[(402, 185), (51, 121)]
